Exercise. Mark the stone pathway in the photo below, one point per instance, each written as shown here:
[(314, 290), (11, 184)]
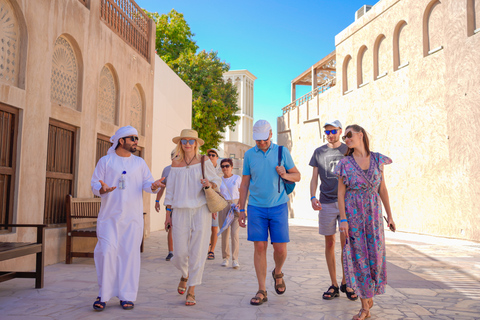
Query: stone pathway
[(428, 278)]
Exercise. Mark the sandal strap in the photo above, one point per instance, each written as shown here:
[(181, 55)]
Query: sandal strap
[(335, 290), (264, 292), (182, 279), (278, 276)]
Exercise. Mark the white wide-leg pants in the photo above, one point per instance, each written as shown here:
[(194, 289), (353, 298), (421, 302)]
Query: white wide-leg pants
[(191, 235)]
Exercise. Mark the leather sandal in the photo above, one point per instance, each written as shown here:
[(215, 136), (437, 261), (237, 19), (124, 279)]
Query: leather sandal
[(278, 286), (181, 290), (190, 302), (362, 314), (211, 255), (327, 295), (256, 301), (98, 305), (127, 305), (349, 294)]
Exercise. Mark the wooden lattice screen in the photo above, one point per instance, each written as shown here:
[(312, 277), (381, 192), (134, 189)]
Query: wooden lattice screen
[(129, 21), (8, 141), (60, 171)]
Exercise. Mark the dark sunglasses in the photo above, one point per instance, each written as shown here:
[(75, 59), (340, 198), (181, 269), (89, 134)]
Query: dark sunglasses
[(348, 135), (334, 131), (225, 166), (190, 142), (212, 155), (132, 138), (262, 140)]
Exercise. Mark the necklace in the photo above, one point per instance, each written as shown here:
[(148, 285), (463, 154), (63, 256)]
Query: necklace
[(188, 163)]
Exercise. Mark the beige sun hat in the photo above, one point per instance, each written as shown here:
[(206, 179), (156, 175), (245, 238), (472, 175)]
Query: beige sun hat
[(189, 134)]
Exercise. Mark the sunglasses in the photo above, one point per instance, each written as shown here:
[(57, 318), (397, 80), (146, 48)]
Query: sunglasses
[(190, 142), (132, 138), (348, 135), (225, 166), (212, 155), (262, 140), (334, 131)]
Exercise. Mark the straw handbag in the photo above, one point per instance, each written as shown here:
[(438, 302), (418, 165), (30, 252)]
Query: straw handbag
[(215, 201)]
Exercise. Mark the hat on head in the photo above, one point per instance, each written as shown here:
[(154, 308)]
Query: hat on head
[(214, 150), (189, 134), (261, 130), (121, 133), (333, 123)]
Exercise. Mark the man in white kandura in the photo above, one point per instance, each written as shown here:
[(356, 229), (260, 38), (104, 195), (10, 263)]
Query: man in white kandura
[(118, 180)]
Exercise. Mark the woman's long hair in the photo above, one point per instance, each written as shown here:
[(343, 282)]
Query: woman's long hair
[(181, 154), (366, 143)]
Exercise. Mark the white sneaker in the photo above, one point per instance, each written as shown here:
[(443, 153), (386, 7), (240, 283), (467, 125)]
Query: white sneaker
[(235, 264), (225, 263)]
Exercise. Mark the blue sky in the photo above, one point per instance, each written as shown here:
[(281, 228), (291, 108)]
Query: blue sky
[(274, 40)]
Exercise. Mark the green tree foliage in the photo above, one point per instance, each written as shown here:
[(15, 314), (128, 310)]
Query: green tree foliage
[(214, 101)]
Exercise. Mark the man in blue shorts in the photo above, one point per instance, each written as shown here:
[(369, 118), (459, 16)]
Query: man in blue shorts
[(267, 205)]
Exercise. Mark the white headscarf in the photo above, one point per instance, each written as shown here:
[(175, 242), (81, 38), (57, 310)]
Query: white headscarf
[(121, 133)]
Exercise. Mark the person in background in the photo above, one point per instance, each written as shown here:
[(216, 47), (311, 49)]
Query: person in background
[(191, 222), (230, 190), (168, 228), (361, 192), (212, 154)]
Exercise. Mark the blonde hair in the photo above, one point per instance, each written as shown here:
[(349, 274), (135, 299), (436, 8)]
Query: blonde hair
[(181, 154)]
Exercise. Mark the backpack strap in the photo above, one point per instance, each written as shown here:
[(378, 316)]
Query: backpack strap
[(280, 151), (203, 166)]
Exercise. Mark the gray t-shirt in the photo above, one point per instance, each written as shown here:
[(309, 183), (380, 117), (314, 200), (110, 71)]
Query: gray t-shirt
[(165, 172), (325, 159)]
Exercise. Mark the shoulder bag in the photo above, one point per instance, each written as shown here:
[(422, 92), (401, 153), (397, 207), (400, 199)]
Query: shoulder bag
[(289, 185), (215, 201)]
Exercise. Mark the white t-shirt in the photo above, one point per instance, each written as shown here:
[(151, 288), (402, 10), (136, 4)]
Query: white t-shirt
[(233, 184)]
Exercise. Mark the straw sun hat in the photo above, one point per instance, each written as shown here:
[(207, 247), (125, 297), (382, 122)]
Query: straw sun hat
[(189, 134)]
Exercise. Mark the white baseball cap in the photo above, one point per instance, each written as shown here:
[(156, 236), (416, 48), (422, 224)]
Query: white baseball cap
[(261, 130), (334, 123)]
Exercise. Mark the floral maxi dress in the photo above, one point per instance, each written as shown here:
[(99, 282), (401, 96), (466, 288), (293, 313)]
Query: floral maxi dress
[(364, 254)]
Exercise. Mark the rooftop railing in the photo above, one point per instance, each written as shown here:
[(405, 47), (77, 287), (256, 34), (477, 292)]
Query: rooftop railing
[(309, 96), (129, 21)]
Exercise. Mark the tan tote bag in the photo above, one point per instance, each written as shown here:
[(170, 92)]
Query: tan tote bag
[(215, 201)]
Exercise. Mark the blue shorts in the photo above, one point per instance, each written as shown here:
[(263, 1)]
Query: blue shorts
[(264, 220)]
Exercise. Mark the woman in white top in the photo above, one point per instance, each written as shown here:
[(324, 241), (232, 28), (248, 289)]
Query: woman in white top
[(192, 220), (230, 191)]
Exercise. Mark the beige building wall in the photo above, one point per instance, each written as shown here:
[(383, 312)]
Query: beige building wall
[(114, 88), (418, 100), (172, 112)]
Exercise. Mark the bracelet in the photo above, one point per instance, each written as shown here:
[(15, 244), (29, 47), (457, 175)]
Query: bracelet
[(312, 198), (157, 201), (242, 210), (344, 220), (168, 209)]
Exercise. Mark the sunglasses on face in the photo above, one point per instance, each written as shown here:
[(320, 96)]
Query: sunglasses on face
[(334, 131), (225, 166), (262, 140), (212, 155), (185, 141), (132, 138), (348, 135)]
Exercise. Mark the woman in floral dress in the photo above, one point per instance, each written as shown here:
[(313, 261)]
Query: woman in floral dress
[(360, 188)]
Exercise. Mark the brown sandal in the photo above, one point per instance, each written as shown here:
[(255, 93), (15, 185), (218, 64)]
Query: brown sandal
[(180, 289), (190, 302), (256, 301), (362, 314), (278, 286)]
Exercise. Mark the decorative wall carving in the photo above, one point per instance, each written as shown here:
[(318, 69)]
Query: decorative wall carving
[(64, 74), (136, 110), (107, 96), (9, 43)]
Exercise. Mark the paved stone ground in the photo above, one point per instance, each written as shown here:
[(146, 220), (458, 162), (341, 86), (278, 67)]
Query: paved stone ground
[(428, 278)]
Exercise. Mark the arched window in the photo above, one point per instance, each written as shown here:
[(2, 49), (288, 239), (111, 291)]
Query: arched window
[(347, 79), (108, 95), (400, 46), (137, 109), (433, 28), (364, 66), (473, 17), (380, 57), (12, 39), (66, 74)]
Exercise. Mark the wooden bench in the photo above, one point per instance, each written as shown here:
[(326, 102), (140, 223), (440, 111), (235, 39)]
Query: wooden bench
[(82, 216), (11, 250)]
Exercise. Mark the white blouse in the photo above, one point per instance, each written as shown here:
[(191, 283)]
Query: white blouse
[(230, 186), (184, 188)]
